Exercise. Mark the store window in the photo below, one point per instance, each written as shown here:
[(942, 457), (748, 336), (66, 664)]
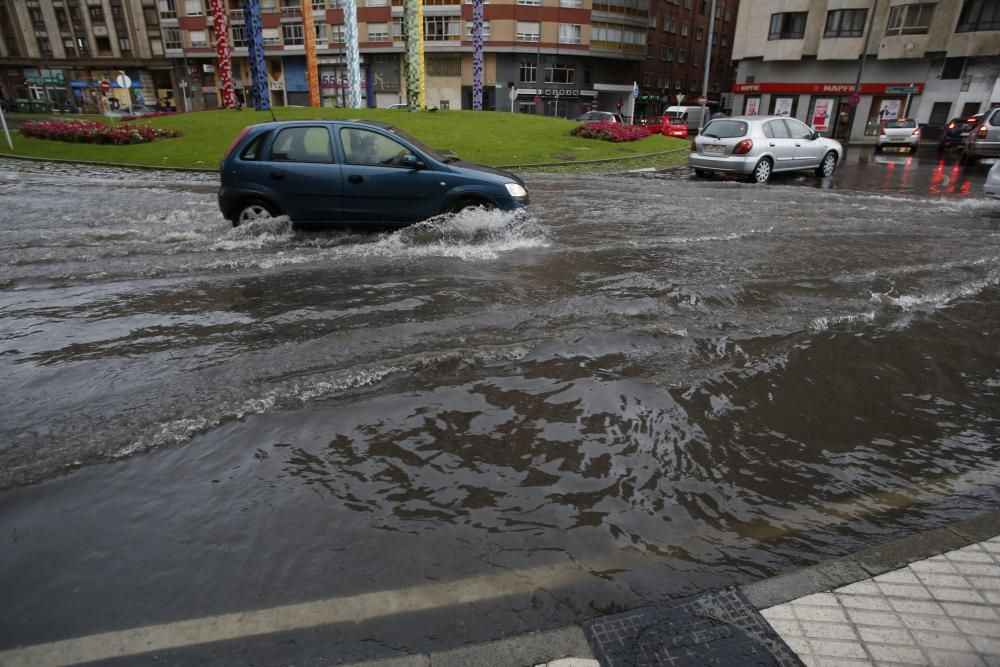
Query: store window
[(559, 73), (788, 25), (784, 105), (883, 110), (751, 106), (910, 19)]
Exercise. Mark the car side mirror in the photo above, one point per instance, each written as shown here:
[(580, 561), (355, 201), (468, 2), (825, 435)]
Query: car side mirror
[(412, 161), (814, 136)]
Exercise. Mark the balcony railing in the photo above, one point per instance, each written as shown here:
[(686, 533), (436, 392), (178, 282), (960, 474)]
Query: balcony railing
[(236, 15)]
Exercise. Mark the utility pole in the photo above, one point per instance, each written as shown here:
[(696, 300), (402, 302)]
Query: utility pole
[(861, 69), (708, 67)]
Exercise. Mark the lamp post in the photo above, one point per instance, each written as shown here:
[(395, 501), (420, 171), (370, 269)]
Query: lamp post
[(708, 65), (861, 69)]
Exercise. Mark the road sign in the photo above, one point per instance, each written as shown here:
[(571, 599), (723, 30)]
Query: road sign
[(635, 89), (901, 90), (124, 81), (105, 86), (854, 100), (702, 100)]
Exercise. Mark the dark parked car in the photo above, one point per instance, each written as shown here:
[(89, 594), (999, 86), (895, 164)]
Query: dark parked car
[(352, 172), (956, 131)]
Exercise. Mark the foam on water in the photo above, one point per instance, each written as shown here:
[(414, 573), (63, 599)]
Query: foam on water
[(936, 298)]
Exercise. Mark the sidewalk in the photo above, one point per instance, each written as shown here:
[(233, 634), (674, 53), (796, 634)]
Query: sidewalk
[(929, 599)]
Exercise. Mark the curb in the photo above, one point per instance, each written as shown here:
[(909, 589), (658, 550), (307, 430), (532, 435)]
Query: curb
[(539, 648)]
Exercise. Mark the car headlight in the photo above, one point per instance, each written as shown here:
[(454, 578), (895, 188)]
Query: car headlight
[(516, 190)]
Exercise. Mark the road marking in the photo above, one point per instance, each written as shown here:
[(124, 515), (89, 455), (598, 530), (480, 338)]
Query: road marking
[(368, 606)]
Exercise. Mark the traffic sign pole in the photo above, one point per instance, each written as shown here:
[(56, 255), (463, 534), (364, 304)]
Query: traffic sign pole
[(6, 132)]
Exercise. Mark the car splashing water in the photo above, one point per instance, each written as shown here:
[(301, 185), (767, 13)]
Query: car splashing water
[(685, 385)]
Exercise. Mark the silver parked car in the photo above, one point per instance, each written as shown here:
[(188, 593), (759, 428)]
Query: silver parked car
[(992, 187), (901, 133), (984, 138), (757, 146)]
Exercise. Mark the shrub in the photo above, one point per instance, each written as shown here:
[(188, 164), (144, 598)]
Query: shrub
[(607, 131), (93, 132)]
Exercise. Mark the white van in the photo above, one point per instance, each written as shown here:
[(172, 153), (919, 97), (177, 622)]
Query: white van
[(692, 115)]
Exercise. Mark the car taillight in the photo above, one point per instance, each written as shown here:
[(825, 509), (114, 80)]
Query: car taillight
[(882, 131), (981, 133), (236, 141), (916, 132), (951, 126), (743, 147), (694, 146)]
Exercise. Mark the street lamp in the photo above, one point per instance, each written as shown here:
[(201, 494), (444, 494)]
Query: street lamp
[(708, 66)]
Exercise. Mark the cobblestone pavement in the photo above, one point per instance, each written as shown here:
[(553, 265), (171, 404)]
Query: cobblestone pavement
[(943, 610)]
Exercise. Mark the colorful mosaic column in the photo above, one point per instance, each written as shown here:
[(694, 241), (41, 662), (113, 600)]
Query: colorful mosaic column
[(353, 58), (312, 73), (420, 54), (411, 28), (255, 45), (220, 26), (477, 55)]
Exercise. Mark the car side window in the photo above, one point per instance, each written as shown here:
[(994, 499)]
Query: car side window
[(778, 129), (371, 148), (302, 144), (253, 149), (766, 129), (995, 120), (797, 130)]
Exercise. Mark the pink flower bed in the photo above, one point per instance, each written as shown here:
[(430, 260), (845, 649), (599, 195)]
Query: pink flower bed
[(93, 132), (606, 131)]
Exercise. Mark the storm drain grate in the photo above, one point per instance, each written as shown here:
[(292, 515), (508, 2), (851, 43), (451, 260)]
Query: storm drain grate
[(720, 628)]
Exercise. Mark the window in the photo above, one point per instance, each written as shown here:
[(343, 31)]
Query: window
[(684, 29), (378, 32), (337, 34), (302, 144), (124, 44), (321, 33), (37, 19), (572, 4), (845, 23), (198, 39), (979, 15), (527, 72), (96, 14), (46, 47), (172, 38), (699, 34), (653, 20), (559, 73), (239, 36), (529, 2), (149, 15), (468, 31), (155, 45), (651, 51), (952, 68), (293, 34), (666, 54), (669, 25), (682, 55), (442, 28), (373, 149), (527, 31), (570, 33), (910, 19), (788, 25), (696, 58), (192, 7), (647, 79), (167, 9), (103, 45)]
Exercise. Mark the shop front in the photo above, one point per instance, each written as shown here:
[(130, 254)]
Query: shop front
[(831, 108)]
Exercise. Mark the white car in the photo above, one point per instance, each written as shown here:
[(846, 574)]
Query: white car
[(992, 187), (901, 133)]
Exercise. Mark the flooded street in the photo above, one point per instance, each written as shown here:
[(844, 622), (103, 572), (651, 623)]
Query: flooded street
[(646, 386)]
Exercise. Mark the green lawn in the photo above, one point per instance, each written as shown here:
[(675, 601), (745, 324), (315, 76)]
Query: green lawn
[(498, 139)]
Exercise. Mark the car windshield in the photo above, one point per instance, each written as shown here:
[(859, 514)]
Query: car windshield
[(901, 123), (421, 145), (725, 129)]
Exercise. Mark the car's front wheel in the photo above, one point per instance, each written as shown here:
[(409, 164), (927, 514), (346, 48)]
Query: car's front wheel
[(827, 165), (762, 172), (469, 204), (251, 210)]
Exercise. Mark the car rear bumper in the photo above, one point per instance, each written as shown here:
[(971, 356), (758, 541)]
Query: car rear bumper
[(984, 148), (739, 164), (884, 142)]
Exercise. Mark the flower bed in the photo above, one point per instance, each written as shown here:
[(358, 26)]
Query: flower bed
[(93, 132), (616, 132)]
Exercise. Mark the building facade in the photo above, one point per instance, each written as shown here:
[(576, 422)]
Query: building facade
[(57, 53), (927, 60), (674, 66)]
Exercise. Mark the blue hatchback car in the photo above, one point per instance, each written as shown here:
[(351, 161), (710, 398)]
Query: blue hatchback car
[(352, 172)]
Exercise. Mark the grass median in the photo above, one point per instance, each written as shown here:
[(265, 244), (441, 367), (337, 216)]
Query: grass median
[(496, 139)]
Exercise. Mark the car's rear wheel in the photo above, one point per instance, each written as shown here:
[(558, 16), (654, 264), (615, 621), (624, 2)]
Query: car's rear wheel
[(251, 210), (828, 164), (762, 172)]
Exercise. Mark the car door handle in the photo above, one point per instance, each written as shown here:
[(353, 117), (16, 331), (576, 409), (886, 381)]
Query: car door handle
[(277, 175), (798, 144), (354, 178), (772, 143)]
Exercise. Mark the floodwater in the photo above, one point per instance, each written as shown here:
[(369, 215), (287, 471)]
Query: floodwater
[(645, 386)]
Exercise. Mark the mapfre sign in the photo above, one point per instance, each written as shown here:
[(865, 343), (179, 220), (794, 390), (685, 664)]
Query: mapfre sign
[(825, 88)]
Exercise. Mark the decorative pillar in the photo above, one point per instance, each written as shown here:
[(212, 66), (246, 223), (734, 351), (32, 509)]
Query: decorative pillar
[(220, 26), (255, 46), (353, 57), (312, 73), (477, 55), (412, 28), (420, 53)]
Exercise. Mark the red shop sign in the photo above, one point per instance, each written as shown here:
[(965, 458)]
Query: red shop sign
[(824, 88)]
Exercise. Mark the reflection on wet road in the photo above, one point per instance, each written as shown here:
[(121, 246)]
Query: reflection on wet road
[(647, 385)]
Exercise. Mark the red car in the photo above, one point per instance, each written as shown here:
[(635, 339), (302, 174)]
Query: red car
[(675, 126)]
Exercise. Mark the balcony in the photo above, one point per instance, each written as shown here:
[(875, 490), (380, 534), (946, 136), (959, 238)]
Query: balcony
[(237, 16)]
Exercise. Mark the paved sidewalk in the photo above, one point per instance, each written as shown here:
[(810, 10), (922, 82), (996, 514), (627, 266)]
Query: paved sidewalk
[(944, 610)]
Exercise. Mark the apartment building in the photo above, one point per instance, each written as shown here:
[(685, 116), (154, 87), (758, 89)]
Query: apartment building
[(57, 52), (674, 67), (540, 56), (930, 60)]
